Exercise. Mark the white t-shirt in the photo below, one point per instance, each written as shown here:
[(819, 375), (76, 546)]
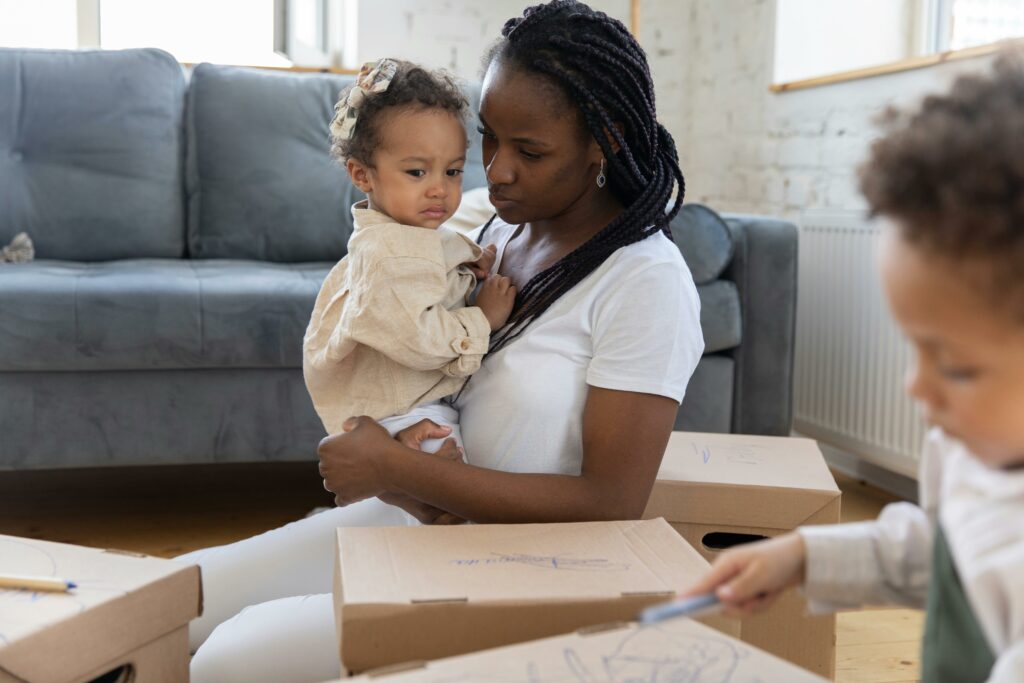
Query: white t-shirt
[(632, 325)]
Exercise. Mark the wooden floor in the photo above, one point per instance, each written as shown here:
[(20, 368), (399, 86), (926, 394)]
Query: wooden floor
[(165, 511)]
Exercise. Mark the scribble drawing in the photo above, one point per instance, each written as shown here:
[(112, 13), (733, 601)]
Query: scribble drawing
[(586, 564), (653, 655), (646, 655), (27, 558)]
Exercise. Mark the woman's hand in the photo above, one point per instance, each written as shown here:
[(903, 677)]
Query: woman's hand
[(426, 514), (751, 577), (351, 463)]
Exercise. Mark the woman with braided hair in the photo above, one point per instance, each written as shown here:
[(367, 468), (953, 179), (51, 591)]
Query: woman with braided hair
[(568, 416)]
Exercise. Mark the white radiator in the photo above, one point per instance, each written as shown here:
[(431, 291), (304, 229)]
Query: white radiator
[(850, 356)]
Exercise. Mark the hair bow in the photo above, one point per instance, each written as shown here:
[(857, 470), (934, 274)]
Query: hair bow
[(373, 78)]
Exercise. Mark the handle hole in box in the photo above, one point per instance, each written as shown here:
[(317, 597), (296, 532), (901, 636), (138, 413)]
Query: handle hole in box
[(122, 674), (723, 540)]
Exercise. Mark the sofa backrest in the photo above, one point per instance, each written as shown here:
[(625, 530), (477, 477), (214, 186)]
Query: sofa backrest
[(260, 180), (92, 153)]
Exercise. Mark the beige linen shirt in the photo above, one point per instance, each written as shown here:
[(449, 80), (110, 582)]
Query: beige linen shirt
[(390, 329)]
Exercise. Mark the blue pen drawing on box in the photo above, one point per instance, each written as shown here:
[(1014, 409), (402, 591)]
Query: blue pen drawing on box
[(651, 654), (558, 562), (741, 454), (645, 655)]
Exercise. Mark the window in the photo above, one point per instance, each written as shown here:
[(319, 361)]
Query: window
[(253, 32), (979, 22), (225, 31), (40, 23), (815, 38)]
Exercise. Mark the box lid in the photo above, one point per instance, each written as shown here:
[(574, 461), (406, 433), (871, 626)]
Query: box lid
[(677, 650), (123, 600), (764, 481), (517, 562)]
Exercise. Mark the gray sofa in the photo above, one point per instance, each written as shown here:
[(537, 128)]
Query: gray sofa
[(183, 224)]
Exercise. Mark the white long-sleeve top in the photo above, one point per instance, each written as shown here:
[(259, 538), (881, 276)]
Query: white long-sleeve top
[(981, 510), (390, 329)]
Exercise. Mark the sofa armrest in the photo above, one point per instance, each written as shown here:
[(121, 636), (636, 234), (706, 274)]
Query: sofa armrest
[(764, 268)]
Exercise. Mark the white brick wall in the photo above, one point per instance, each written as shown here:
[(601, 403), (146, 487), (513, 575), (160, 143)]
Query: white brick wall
[(450, 34), (744, 148)]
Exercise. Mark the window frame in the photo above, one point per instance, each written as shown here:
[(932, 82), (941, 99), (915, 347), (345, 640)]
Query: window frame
[(934, 37)]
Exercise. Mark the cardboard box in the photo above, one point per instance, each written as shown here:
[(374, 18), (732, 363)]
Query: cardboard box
[(129, 613), (718, 490), (420, 593), (678, 650)]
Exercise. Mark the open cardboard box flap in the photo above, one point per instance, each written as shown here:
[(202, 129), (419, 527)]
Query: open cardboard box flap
[(123, 601), (675, 650)]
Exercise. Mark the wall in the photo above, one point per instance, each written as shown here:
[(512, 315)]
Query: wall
[(452, 34), (746, 149), (794, 154)]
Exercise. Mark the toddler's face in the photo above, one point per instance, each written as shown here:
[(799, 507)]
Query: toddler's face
[(968, 373), (416, 176)]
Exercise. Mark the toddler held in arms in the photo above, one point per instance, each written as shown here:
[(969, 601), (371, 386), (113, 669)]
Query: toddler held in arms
[(391, 332)]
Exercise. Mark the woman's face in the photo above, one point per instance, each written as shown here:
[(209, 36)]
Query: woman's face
[(539, 161)]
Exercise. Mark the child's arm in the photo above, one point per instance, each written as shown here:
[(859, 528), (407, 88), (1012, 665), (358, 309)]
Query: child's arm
[(842, 565), (481, 268), (397, 310)]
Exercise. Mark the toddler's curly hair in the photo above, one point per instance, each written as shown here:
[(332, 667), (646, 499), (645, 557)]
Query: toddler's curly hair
[(413, 87), (951, 174)]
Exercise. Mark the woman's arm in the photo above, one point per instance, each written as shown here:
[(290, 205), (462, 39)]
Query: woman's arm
[(624, 439)]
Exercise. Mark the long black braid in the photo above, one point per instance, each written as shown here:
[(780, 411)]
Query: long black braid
[(597, 62)]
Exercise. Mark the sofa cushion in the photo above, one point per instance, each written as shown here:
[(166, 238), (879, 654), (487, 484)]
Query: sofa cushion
[(155, 314), (720, 315), (707, 406), (704, 240), (261, 182), (92, 153)]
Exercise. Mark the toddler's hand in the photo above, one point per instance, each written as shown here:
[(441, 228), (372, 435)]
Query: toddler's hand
[(481, 268), (496, 298), (749, 578)]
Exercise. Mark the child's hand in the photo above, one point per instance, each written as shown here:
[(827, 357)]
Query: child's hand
[(749, 578), (496, 299), (481, 268)]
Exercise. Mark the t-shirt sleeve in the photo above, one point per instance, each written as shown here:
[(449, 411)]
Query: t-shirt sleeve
[(646, 333)]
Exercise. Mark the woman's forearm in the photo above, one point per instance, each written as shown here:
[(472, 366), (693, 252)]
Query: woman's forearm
[(490, 496)]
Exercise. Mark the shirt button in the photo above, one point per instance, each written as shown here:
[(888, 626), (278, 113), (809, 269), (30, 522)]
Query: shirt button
[(465, 344)]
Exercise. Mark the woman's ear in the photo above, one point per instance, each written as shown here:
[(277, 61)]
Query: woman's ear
[(611, 138), (360, 175), (596, 150)]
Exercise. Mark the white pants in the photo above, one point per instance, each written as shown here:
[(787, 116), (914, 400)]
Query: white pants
[(268, 611)]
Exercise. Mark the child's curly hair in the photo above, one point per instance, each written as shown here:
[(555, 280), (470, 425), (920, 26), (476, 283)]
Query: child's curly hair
[(951, 173), (412, 86)]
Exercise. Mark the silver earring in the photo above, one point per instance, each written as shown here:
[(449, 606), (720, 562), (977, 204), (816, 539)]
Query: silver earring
[(601, 179)]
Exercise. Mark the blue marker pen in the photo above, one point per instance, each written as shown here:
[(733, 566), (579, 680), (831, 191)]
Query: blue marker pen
[(686, 607)]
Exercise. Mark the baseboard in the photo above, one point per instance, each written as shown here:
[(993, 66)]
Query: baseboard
[(857, 467)]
